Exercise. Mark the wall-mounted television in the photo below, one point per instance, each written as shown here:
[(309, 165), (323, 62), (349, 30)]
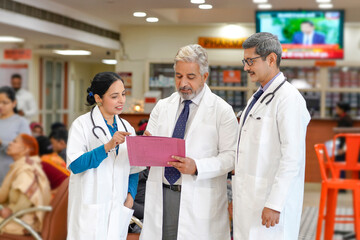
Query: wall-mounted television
[(305, 34)]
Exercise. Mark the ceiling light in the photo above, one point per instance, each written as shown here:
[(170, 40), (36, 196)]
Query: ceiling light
[(323, 1), (197, 1), (139, 14), (10, 39), (109, 61), (264, 6), (325, 5), (205, 6), (152, 19), (260, 1), (72, 52)]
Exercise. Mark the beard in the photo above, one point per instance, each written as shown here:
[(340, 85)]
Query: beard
[(191, 95)]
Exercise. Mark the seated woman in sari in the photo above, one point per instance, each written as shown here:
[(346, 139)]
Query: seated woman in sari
[(24, 186)]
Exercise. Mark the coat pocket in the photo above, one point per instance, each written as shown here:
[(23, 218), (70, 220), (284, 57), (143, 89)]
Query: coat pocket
[(119, 221)]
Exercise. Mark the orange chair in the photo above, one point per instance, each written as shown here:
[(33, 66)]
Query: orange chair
[(352, 142), (328, 198)]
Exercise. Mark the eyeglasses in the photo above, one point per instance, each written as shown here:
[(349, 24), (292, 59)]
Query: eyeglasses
[(249, 61)]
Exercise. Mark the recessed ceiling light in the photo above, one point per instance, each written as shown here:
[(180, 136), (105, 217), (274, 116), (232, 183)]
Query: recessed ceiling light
[(10, 39), (205, 6), (152, 19), (325, 5), (323, 1), (197, 1), (264, 6), (72, 52), (139, 14), (260, 1), (109, 61)]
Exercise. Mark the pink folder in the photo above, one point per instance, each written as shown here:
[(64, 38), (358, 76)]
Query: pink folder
[(154, 151)]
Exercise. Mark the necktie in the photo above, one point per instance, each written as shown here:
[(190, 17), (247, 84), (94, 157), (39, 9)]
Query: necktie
[(255, 98), (171, 173)]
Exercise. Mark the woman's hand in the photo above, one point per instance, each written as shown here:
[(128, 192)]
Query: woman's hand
[(118, 138), (147, 133), (129, 202)]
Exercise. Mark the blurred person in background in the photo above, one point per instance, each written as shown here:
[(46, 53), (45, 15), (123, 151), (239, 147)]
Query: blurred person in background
[(26, 104), (58, 138), (36, 129), (24, 186), (11, 125)]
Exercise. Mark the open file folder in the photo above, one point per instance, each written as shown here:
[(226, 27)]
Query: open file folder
[(154, 151)]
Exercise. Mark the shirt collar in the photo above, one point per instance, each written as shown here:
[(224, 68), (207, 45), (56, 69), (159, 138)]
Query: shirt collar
[(269, 83), (196, 100)]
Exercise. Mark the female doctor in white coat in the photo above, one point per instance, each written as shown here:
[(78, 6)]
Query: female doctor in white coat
[(101, 188)]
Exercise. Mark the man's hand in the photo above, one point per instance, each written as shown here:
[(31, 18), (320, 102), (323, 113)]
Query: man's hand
[(270, 217), (147, 133), (129, 202), (185, 165)]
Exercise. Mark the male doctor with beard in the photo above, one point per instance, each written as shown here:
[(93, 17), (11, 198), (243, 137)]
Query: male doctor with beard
[(268, 185), (189, 200)]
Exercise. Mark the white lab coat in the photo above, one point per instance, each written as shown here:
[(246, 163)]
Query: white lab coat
[(26, 102), (270, 165), (210, 141), (96, 196)]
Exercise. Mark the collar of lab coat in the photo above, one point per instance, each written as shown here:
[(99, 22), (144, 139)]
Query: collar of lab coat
[(99, 121), (205, 109), (277, 81)]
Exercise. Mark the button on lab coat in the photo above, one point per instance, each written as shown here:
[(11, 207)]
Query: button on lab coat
[(96, 196), (270, 165)]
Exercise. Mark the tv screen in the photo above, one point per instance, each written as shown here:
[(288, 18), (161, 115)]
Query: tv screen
[(305, 34)]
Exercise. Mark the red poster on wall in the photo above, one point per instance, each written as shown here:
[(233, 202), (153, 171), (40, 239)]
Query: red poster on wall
[(17, 54), (232, 76)]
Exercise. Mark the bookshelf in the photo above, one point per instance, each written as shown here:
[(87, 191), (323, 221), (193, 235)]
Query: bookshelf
[(322, 87)]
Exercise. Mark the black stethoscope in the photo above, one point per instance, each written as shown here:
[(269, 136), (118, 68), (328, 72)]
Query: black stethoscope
[(272, 94), (94, 126)]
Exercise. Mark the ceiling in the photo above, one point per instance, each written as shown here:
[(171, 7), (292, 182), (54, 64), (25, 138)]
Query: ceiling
[(118, 13), (183, 12)]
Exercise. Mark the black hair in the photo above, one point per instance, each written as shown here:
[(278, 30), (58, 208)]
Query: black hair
[(16, 75), (100, 84), (308, 22), (343, 106), (59, 134), (10, 93), (57, 125), (45, 146)]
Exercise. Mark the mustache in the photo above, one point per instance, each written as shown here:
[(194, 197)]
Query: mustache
[(185, 88)]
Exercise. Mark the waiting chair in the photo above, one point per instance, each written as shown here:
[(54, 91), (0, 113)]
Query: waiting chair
[(55, 221), (328, 198)]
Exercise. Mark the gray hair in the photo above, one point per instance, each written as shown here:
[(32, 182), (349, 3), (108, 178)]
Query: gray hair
[(264, 43), (193, 53)]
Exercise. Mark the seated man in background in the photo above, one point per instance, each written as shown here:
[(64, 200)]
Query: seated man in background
[(24, 186), (58, 138)]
